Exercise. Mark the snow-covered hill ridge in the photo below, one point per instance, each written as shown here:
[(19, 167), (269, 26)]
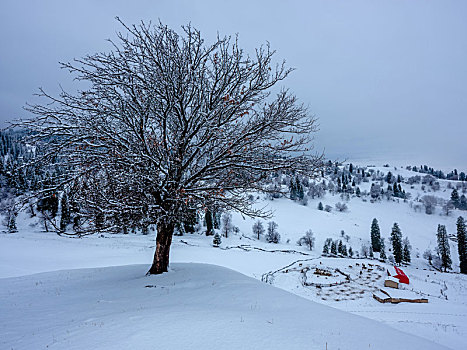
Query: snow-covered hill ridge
[(193, 306)]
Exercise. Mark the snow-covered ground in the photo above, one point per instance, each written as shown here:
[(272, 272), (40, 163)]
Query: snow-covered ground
[(208, 305)]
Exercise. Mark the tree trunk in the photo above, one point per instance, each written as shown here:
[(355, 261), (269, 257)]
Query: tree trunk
[(163, 242)]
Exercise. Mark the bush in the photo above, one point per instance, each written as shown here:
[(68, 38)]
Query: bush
[(341, 206), (273, 235), (307, 240)]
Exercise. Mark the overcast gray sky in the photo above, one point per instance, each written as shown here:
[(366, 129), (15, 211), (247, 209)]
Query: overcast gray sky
[(387, 79)]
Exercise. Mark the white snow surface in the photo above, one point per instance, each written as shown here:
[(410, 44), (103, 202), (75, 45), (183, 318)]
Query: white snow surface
[(194, 306)]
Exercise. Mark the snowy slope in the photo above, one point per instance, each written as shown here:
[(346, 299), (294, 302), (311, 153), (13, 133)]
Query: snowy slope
[(194, 306), (443, 320)]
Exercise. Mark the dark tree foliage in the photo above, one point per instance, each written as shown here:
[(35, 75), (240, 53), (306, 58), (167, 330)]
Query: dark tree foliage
[(444, 250), (462, 243), (65, 217), (396, 239), (375, 236)]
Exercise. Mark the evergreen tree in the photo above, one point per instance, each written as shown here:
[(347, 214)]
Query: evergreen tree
[(358, 192), (462, 244), (351, 168), (455, 198), (375, 236), (217, 240), (396, 239), (339, 247), (344, 250), (443, 247), (406, 249), (350, 252), (209, 223), (326, 249), (382, 253), (293, 190), (320, 206), (372, 255), (65, 213), (299, 188), (12, 223), (334, 248)]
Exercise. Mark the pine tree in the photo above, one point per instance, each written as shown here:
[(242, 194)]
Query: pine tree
[(65, 215), (455, 198), (209, 223), (12, 223), (396, 239), (299, 188), (372, 255), (382, 253), (350, 252), (320, 206), (326, 248), (375, 236), (293, 190), (406, 250), (334, 248), (339, 247), (216, 241), (358, 192), (443, 247), (462, 244)]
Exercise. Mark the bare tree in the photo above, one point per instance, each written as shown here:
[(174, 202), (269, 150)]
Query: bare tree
[(167, 124)]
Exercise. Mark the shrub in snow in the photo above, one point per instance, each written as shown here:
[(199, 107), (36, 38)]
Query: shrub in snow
[(430, 204), (273, 235), (307, 240), (365, 251), (341, 206), (328, 208), (216, 241)]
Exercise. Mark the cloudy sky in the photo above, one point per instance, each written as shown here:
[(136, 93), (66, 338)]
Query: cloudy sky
[(387, 79)]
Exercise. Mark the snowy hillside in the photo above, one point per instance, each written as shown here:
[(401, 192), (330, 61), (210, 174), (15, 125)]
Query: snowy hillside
[(116, 304), (192, 307)]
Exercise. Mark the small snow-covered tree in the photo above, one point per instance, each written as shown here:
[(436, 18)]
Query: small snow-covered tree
[(334, 247), (227, 224), (430, 204), (327, 208), (307, 240), (396, 240), (406, 250), (217, 240), (258, 229), (444, 250), (382, 252), (365, 251), (320, 206), (273, 235), (341, 206)]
